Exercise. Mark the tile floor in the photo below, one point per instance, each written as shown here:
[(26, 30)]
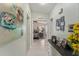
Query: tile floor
[(39, 48)]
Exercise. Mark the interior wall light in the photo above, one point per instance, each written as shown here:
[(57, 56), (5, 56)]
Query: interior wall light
[(43, 3)]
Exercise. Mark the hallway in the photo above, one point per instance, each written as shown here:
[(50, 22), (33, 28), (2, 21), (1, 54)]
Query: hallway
[(36, 29), (39, 48)]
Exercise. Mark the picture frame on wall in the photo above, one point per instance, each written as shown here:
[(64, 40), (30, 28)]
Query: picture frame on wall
[(70, 28), (57, 25), (60, 24)]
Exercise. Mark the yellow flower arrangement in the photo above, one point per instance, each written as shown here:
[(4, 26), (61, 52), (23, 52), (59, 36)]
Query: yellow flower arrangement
[(76, 28), (74, 39), (71, 37), (76, 48)]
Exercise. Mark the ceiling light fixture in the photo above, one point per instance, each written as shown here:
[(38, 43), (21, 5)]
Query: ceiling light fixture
[(42, 3)]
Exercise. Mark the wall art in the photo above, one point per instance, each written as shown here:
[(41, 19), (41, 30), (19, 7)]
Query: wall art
[(70, 28), (11, 23), (60, 24)]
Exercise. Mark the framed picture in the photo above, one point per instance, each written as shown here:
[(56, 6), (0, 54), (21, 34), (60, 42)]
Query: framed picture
[(54, 39), (63, 43), (57, 24), (70, 28), (60, 24), (58, 42)]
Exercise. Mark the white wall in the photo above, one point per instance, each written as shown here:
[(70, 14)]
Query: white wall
[(19, 47), (49, 28), (71, 13)]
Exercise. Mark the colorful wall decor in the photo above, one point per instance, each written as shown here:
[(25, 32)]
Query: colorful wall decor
[(7, 20), (11, 22)]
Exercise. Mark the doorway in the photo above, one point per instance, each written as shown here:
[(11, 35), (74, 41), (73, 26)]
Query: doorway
[(39, 29)]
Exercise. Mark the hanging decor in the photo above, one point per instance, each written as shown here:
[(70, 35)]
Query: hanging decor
[(11, 22), (61, 11), (7, 20), (60, 24)]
